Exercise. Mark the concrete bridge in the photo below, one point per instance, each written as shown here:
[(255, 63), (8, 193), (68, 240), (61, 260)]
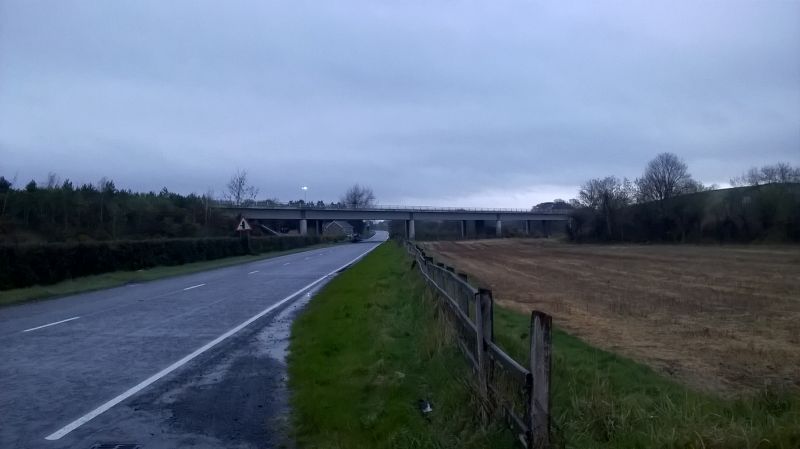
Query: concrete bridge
[(268, 210)]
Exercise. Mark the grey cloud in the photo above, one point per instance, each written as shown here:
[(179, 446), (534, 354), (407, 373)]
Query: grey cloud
[(425, 101)]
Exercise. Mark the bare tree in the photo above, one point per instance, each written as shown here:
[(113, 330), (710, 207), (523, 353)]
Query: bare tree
[(358, 196), (608, 192), (753, 177), (355, 197), (786, 173), (606, 196), (238, 189), (768, 174), (666, 176), (694, 186)]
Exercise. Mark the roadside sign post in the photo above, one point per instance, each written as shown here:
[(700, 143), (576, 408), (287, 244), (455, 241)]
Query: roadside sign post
[(243, 228)]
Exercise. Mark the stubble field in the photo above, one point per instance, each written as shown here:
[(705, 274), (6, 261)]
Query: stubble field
[(721, 319)]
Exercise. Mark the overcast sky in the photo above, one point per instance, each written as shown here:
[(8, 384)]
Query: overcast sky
[(488, 103)]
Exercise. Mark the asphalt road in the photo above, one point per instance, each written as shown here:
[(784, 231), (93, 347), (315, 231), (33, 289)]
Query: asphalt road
[(189, 361)]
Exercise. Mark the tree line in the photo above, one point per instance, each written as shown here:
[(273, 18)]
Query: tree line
[(62, 211), (667, 204)]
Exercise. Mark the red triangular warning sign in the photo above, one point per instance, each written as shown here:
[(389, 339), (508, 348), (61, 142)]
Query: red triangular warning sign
[(243, 225)]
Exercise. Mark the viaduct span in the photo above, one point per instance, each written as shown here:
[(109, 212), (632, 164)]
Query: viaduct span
[(273, 211)]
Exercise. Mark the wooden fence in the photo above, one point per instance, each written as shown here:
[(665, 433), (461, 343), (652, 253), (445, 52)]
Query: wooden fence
[(521, 394)]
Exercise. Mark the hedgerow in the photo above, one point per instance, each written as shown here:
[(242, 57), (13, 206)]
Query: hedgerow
[(24, 265)]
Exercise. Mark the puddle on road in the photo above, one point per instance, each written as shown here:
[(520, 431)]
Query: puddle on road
[(273, 340), (237, 397)]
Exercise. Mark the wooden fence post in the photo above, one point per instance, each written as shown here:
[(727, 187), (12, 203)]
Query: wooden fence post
[(480, 355), (539, 405), (486, 313)]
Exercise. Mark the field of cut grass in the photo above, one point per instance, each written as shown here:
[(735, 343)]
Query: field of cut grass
[(365, 351), (722, 319), (369, 346), (117, 278)]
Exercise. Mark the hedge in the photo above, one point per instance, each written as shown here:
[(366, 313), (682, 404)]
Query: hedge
[(30, 264)]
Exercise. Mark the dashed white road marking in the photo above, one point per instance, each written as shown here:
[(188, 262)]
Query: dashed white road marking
[(193, 286), (58, 434), (287, 263), (253, 272), (51, 324)]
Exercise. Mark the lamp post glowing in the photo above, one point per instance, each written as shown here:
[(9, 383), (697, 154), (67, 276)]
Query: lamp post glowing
[(305, 193)]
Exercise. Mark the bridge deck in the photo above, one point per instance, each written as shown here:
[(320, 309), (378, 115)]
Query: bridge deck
[(274, 211)]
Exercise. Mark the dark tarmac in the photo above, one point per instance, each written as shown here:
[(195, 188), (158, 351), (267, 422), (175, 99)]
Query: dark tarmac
[(191, 361)]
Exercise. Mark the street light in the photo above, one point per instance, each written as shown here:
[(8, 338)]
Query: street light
[(305, 193)]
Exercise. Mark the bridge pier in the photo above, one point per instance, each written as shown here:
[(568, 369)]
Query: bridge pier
[(303, 226), (498, 229), (527, 227), (410, 231), (318, 226), (463, 228)]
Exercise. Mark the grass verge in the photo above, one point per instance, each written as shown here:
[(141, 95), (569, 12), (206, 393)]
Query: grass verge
[(117, 278), (364, 352), (601, 400)]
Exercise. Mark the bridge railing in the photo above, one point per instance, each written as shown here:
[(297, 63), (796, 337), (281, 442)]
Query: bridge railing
[(520, 393), (381, 207)]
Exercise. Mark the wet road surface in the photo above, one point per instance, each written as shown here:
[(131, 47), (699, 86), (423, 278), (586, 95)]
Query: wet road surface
[(190, 361)]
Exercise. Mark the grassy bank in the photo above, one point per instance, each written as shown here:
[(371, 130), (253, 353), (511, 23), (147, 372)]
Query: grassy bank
[(365, 351), (117, 278), (601, 400)]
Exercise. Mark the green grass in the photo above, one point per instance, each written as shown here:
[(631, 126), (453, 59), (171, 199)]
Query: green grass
[(365, 350), (117, 278), (601, 400)]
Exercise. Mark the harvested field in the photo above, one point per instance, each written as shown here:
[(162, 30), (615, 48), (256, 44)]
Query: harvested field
[(722, 319)]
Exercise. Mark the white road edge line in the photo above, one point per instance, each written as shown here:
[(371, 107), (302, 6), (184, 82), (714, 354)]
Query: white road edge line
[(193, 286), (58, 434), (287, 263), (253, 272), (51, 324)]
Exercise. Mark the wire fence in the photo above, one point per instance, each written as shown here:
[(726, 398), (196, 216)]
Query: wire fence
[(520, 393)]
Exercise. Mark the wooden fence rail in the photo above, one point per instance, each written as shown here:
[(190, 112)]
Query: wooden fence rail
[(521, 394)]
